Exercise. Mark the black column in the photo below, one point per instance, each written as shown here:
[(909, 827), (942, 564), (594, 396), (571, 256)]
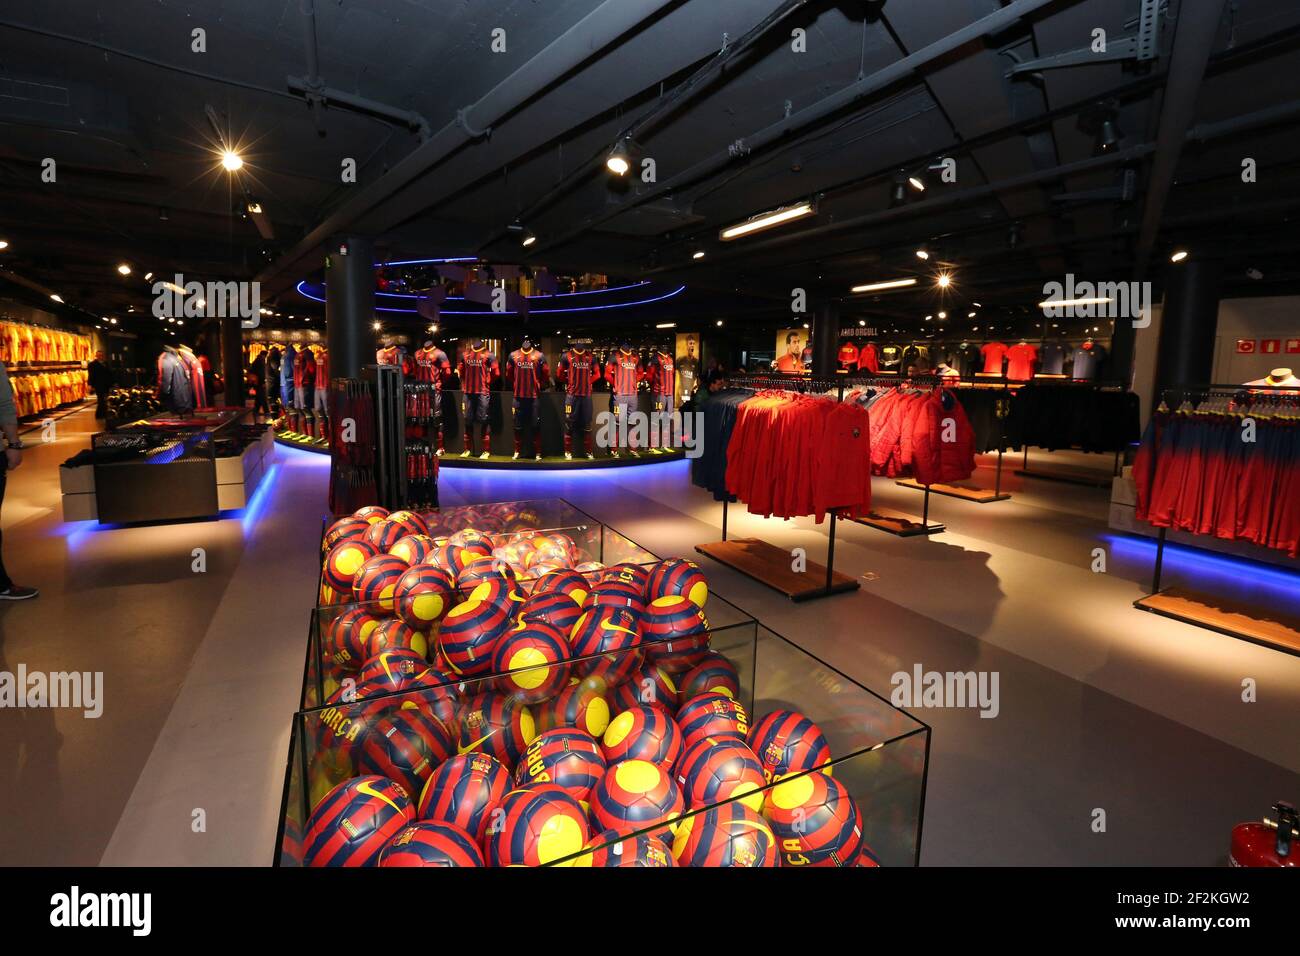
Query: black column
[(350, 304), (1188, 323), (232, 360), (826, 338)]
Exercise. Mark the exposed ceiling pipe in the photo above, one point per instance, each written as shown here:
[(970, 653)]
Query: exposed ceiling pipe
[(1198, 25), (896, 71), (675, 98), (597, 30)]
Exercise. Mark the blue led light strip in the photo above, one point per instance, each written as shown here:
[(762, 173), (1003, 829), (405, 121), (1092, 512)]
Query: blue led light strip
[(589, 308)]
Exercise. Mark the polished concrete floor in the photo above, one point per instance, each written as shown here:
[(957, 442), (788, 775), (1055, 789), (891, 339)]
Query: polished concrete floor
[(1102, 706)]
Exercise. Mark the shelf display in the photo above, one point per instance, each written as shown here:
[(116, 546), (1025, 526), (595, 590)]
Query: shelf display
[(639, 734)]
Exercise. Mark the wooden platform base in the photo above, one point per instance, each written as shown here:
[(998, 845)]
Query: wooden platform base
[(980, 496), (1234, 618), (1090, 479), (893, 522), (769, 565)]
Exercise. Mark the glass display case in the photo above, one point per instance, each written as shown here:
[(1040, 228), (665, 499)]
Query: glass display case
[(861, 746)]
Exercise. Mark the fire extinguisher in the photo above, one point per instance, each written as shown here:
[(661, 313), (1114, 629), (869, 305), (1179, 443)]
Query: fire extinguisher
[(1269, 842)]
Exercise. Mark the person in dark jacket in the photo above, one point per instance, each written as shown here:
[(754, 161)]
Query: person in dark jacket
[(100, 379), (272, 377), (257, 373)]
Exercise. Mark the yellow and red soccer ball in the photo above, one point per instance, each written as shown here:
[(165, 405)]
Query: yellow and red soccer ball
[(540, 825), (730, 835), (614, 848), (376, 581), (609, 638), (354, 822), (556, 609), (711, 771), (371, 513), (346, 637), (786, 742), (578, 705), (650, 684), (403, 745), (817, 821), (344, 561), (563, 581), (643, 732), (675, 632), (469, 634), (414, 548), (431, 844), (713, 675), (531, 661), (712, 715), (677, 577), (567, 757), (495, 724), (465, 791), (346, 527), (636, 794), (423, 595)]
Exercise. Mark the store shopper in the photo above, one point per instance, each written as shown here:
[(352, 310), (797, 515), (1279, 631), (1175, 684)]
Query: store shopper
[(13, 457), (257, 380), (100, 380), (272, 382)]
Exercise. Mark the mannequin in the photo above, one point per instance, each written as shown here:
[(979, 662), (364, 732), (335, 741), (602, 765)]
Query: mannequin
[(197, 383), (527, 373), (624, 373), (174, 382), (477, 367), (433, 366), (320, 395), (1278, 378), (659, 372), (577, 371)]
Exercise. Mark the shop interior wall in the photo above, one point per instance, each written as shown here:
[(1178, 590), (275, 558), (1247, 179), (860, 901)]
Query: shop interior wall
[(1257, 320)]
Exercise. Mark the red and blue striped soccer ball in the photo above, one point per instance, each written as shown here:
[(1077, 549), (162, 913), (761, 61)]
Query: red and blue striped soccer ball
[(617, 593), (676, 633), (818, 822), (395, 635), (712, 715), (730, 835), (371, 513), (469, 635), (635, 574), (540, 825), (713, 770), (354, 821), (651, 684), (409, 522), (677, 576), (531, 661), (347, 527), (615, 633), (343, 562), (465, 791), (403, 745), (643, 732), (555, 608), (613, 848), (713, 675), (787, 742), (568, 758), (579, 705), (498, 725), (563, 581), (384, 534), (636, 794), (432, 844), (376, 580), (414, 548), (347, 638), (392, 670), (423, 596)]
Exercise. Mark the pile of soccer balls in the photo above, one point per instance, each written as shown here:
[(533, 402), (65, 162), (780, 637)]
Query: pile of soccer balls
[(479, 716)]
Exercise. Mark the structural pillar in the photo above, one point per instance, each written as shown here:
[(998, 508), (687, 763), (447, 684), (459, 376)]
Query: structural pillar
[(350, 304), (826, 338), (1188, 323), (232, 360)]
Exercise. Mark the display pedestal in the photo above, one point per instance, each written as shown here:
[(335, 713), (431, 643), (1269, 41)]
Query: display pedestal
[(770, 565), (1234, 618), (978, 495)]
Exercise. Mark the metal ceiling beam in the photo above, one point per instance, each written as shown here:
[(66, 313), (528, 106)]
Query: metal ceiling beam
[(593, 33), (901, 69), (1198, 24)]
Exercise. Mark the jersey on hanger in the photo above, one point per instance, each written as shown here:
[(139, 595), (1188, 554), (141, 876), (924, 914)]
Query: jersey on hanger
[(994, 353), (1020, 361)]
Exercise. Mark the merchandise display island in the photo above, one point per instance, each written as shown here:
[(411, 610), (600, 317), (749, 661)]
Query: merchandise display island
[(519, 684)]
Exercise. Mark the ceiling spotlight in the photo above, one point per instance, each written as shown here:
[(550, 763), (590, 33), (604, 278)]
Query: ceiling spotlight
[(862, 322), (528, 240), (882, 286), (805, 325), (922, 253), (719, 323), (56, 297), (1108, 135), (767, 220), (180, 321), (917, 183), (231, 160), (255, 207), (666, 325), (698, 254), (148, 276), (112, 321), (1179, 255), (971, 315), (943, 280), (942, 316), (4, 244), (376, 326), (619, 160), (123, 269)]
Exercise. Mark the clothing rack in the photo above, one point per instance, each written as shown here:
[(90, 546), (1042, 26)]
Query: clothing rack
[(765, 562), (981, 496), (1068, 477), (1233, 618)]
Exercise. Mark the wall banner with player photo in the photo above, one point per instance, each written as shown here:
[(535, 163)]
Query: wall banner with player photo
[(790, 347), (690, 363)]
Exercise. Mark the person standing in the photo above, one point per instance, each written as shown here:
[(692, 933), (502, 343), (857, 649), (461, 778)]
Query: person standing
[(257, 373), (100, 380), (13, 457), (272, 383)]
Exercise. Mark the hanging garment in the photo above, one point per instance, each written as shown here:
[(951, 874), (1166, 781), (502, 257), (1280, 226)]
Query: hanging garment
[(174, 388)]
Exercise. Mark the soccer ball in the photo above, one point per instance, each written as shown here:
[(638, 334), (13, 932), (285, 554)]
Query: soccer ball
[(676, 633), (409, 522), (531, 661), (578, 705), (566, 757), (713, 675), (371, 513), (678, 577), (469, 635), (384, 534), (713, 770), (643, 732), (730, 835), (354, 821), (818, 822), (423, 595), (540, 825), (392, 635), (391, 670), (376, 580), (712, 715), (431, 844), (555, 608), (403, 745), (786, 742), (649, 685), (614, 848), (497, 725), (414, 548), (344, 529), (636, 794), (344, 560), (613, 632), (464, 791), (563, 581), (635, 575), (616, 593), (347, 637)]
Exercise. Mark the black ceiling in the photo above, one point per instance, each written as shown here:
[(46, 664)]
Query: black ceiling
[(116, 95)]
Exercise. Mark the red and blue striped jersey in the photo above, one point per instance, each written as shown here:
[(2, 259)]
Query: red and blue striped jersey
[(431, 365), (578, 371), (623, 371), (476, 371), (527, 372), (660, 374)]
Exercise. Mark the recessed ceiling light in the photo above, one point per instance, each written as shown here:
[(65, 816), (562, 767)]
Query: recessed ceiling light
[(123, 269), (528, 240), (4, 244), (971, 315), (943, 280), (943, 315), (698, 254), (56, 297), (377, 326), (231, 160), (922, 254), (917, 183), (719, 323)]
